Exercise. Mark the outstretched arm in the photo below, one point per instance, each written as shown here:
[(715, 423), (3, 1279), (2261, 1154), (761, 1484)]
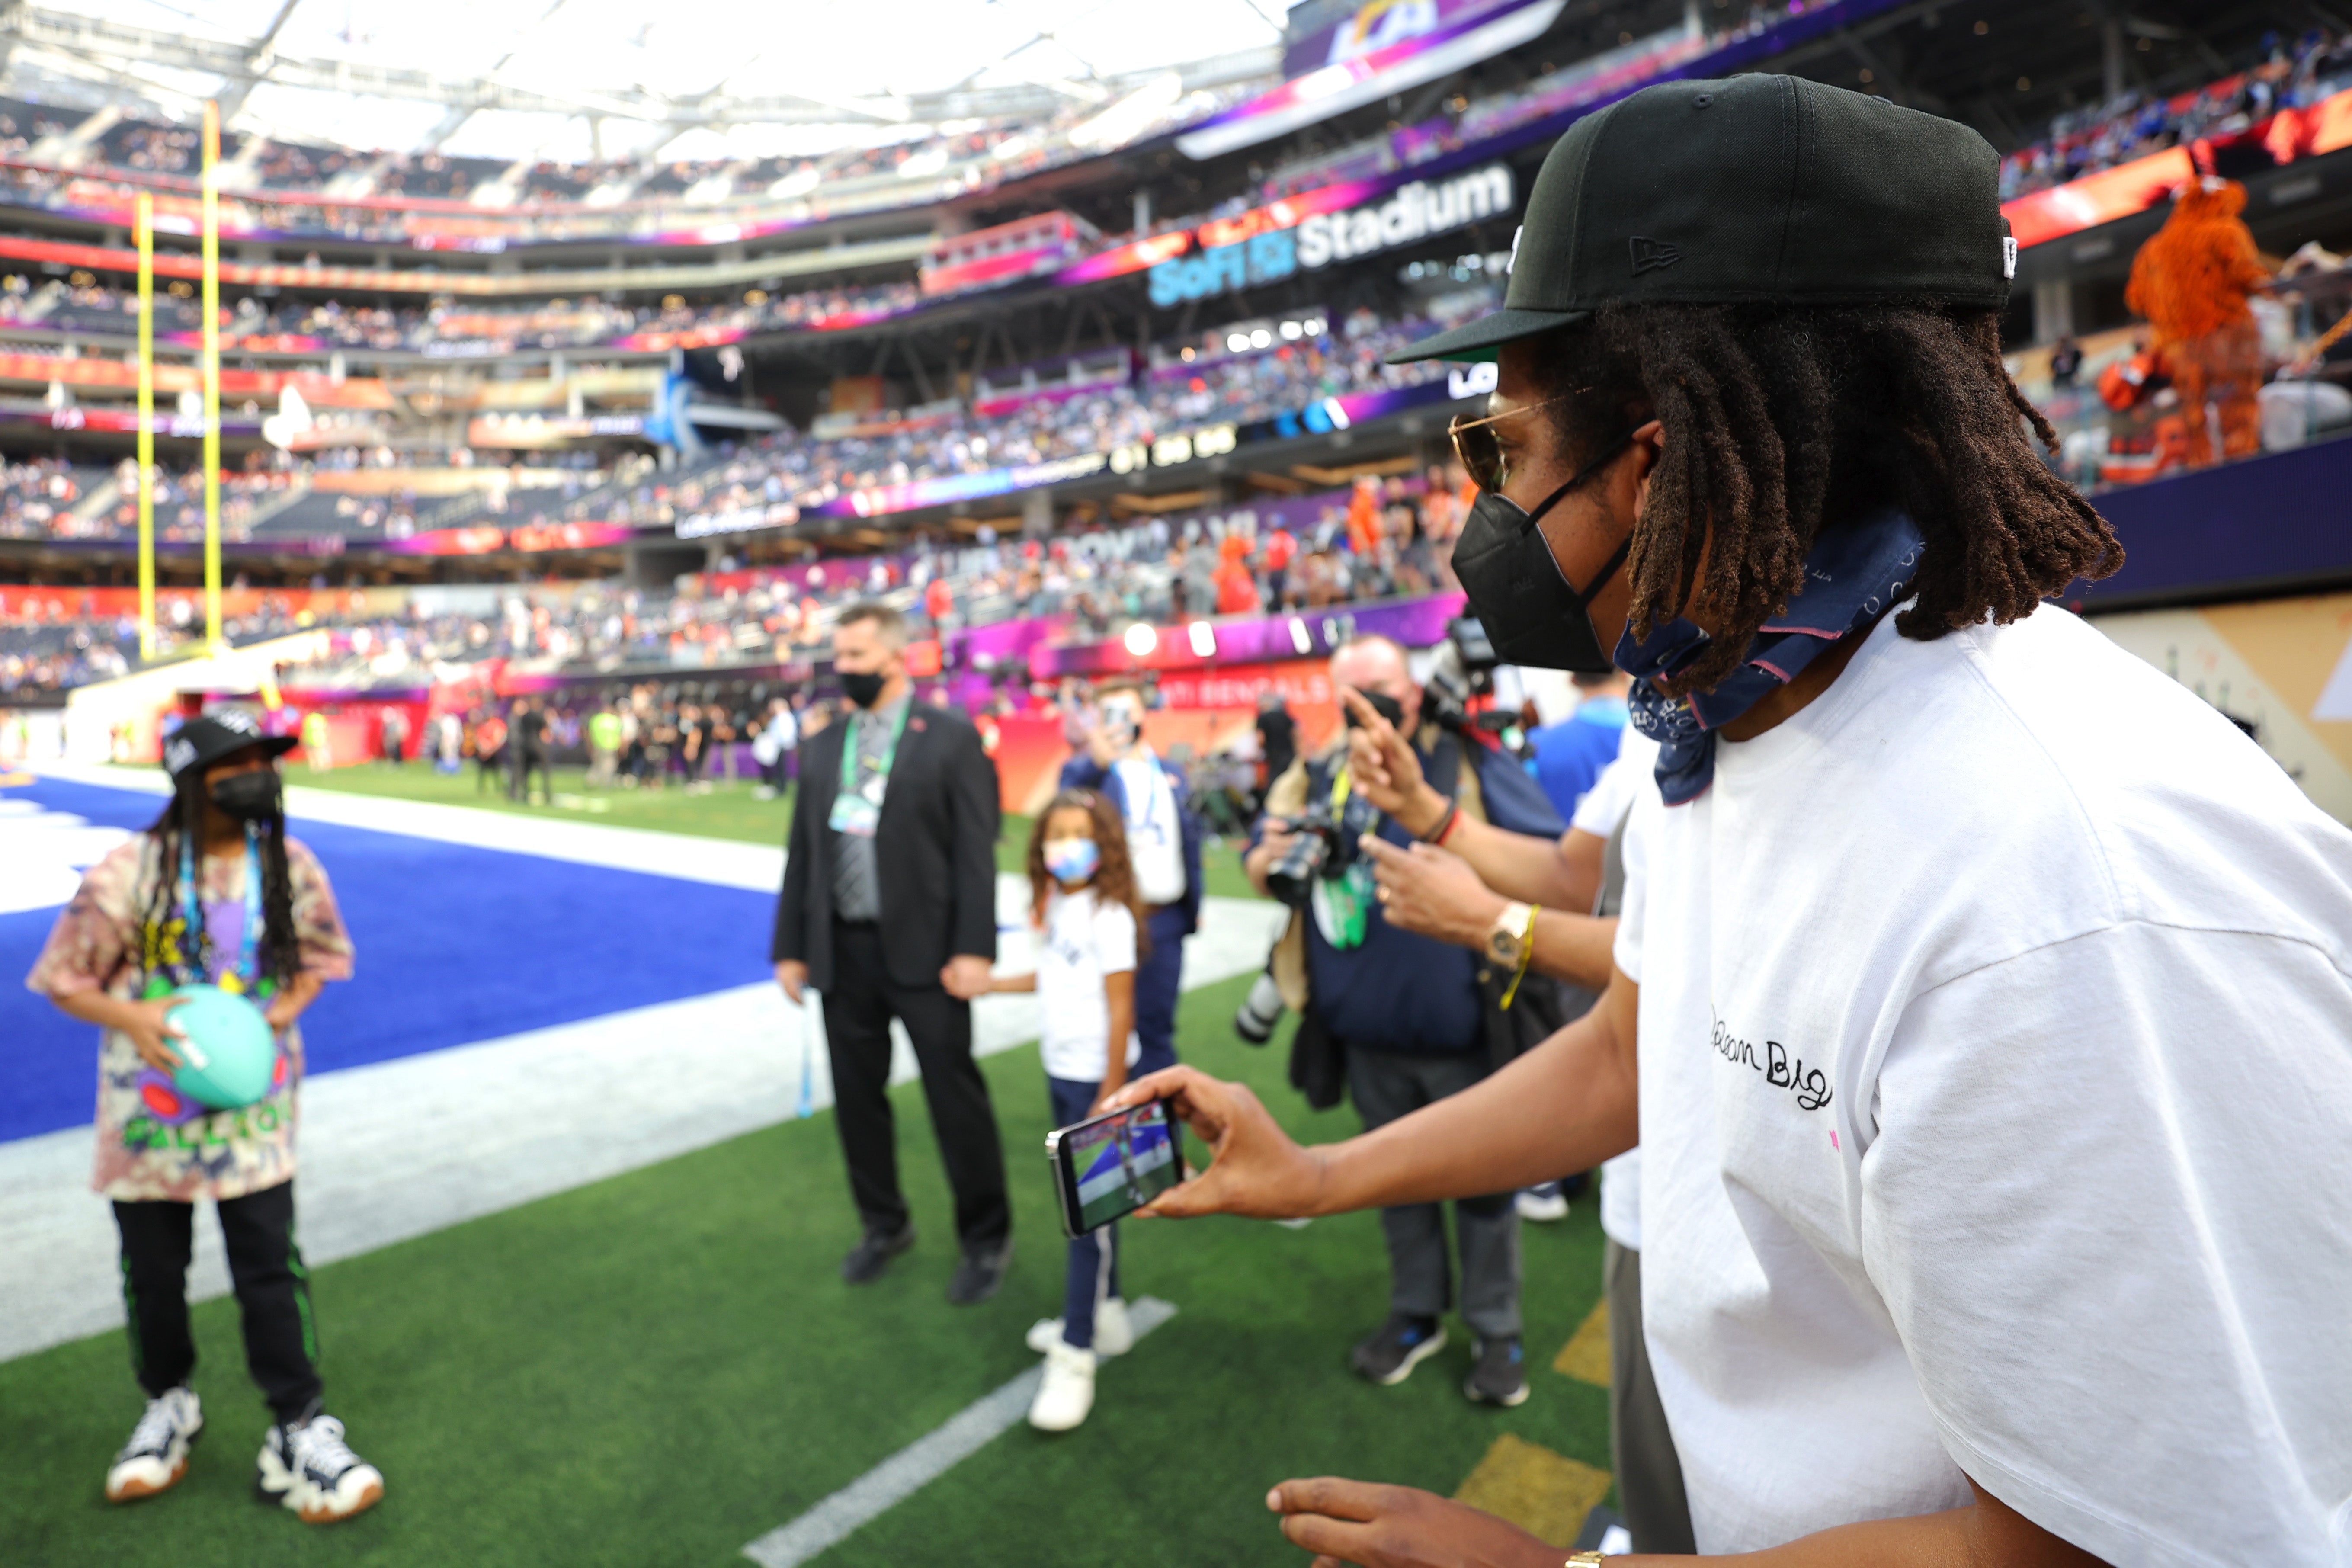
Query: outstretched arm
[(1559, 874), (1398, 1527), (1567, 1105), (1434, 894)]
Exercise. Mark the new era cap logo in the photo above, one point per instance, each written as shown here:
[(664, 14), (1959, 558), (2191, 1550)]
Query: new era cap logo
[(1649, 255)]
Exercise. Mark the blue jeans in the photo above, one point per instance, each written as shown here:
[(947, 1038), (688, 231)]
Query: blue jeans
[(1094, 1257)]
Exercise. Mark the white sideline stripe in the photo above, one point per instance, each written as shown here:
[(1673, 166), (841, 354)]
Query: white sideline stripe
[(723, 862), (403, 1148), (919, 1463)]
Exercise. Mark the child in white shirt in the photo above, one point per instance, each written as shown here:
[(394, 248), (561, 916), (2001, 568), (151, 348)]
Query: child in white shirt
[(1083, 911)]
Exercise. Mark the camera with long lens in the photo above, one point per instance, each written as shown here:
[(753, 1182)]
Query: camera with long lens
[(1260, 1011), (1325, 846)]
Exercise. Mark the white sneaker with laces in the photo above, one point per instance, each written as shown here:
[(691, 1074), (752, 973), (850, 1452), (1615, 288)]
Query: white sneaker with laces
[(157, 1455), (1114, 1335), (310, 1469), (1067, 1392)]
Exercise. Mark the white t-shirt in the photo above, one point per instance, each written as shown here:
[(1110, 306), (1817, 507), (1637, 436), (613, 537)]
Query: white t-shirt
[(1084, 939), (1155, 838), (1996, 1105), (1605, 805)]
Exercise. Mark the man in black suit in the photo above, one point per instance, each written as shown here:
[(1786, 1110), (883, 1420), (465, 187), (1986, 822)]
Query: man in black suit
[(894, 830)]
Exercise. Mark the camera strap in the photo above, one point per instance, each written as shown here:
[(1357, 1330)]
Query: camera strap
[(1342, 905)]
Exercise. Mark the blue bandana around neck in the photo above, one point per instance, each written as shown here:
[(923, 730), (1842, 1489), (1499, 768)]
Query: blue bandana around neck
[(1852, 576)]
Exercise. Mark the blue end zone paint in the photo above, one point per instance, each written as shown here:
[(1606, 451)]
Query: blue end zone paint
[(455, 945)]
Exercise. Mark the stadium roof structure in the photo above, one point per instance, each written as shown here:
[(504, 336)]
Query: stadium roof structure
[(575, 80)]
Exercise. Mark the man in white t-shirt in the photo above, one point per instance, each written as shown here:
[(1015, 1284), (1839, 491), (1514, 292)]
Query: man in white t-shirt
[(1988, 996), (1163, 841)]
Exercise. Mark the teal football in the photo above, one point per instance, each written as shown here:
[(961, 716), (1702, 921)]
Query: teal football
[(228, 1057)]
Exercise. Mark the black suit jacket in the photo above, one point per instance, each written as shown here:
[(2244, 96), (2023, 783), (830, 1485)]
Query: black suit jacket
[(934, 850)]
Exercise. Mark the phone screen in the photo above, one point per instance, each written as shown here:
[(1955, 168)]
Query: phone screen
[(1112, 1164)]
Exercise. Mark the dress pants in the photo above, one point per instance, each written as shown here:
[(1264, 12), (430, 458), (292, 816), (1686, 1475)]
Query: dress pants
[(1387, 1085), (857, 1013), (1640, 1446), (1157, 976), (273, 1294)]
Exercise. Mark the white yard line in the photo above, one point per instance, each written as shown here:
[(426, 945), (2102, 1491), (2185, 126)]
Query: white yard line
[(918, 1464), (403, 1148)]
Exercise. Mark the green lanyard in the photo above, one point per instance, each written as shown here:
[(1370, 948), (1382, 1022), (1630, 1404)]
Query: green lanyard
[(881, 768)]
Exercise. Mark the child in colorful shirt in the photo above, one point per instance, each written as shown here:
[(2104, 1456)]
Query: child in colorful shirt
[(213, 893)]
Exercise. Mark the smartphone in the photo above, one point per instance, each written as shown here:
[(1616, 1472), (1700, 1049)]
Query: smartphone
[(1109, 1166)]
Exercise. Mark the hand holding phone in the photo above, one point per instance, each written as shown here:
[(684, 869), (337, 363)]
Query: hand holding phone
[(1256, 1169), (1109, 1166)]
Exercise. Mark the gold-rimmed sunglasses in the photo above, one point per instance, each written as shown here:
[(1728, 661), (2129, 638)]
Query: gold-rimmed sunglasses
[(1480, 454)]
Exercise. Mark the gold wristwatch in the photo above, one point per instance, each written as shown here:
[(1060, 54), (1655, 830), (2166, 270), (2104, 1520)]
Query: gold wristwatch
[(1508, 938), (1585, 1560)]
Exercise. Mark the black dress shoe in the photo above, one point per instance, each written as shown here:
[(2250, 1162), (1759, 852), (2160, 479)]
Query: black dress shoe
[(978, 1274), (872, 1255)]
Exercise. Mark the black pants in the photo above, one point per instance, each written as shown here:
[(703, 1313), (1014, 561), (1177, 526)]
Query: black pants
[(1387, 1086), (1641, 1445), (526, 764), (857, 1013), (273, 1293)]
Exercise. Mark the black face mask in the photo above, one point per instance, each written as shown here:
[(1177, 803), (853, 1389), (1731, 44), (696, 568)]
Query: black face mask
[(1532, 612), (248, 798), (1387, 707), (865, 689)]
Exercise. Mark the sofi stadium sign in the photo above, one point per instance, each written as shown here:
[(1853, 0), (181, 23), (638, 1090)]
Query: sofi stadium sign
[(1414, 213)]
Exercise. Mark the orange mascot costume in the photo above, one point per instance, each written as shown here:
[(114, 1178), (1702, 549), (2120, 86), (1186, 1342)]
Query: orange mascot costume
[(2191, 280)]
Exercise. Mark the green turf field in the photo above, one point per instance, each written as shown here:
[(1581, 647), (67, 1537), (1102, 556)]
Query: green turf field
[(729, 810), (661, 1367)]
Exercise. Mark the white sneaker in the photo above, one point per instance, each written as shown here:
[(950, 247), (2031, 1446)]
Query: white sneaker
[(1114, 1335), (157, 1455), (1543, 1203), (310, 1469), (1068, 1390)]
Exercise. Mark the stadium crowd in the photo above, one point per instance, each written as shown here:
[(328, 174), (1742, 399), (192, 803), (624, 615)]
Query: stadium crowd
[(795, 466), (1381, 539), (37, 500), (2316, 66), (445, 329), (360, 194)]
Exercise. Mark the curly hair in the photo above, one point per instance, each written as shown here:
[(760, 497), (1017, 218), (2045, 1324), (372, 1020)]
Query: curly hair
[(1114, 871), (1781, 422)]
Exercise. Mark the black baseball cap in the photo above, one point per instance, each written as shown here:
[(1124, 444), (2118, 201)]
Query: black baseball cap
[(1763, 189), (200, 742)]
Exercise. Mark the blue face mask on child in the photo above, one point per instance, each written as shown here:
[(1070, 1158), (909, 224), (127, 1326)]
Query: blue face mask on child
[(1072, 859)]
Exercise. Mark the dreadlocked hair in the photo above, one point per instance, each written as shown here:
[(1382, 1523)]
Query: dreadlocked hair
[(181, 824), (1781, 422)]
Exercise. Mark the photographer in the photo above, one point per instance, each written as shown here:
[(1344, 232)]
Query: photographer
[(1475, 884), (1399, 1020)]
